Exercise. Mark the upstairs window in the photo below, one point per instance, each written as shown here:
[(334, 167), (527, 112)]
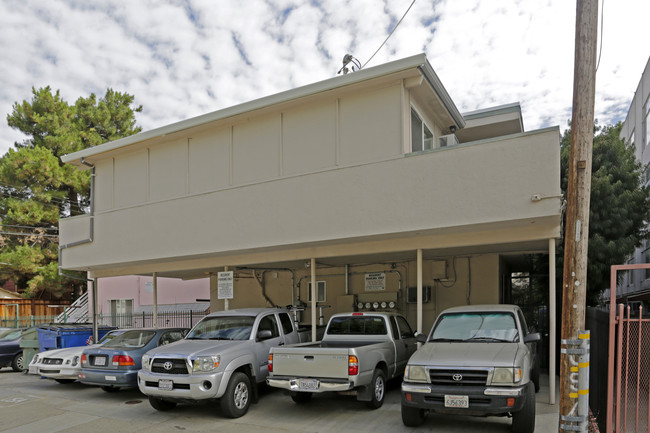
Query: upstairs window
[(421, 136)]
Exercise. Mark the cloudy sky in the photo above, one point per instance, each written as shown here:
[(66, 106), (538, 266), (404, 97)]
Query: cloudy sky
[(183, 58)]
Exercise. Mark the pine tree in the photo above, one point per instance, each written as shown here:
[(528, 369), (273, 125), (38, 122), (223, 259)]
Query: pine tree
[(36, 188)]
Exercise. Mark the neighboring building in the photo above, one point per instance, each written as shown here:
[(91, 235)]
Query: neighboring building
[(121, 299), (374, 177), (635, 289)]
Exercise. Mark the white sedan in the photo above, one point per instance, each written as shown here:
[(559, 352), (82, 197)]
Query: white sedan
[(63, 365)]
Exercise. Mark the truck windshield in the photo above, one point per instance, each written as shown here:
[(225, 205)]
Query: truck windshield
[(357, 325), (477, 326), (223, 328)]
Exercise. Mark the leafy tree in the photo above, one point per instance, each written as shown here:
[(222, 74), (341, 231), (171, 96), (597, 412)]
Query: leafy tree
[(619, 206), (36, 188)]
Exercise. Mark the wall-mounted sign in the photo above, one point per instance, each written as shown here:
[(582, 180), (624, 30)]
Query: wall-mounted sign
[(148, 286), (225, 285), (375, 281)]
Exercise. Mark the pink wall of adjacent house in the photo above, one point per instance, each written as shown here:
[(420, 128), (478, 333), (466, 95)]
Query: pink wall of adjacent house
[(139, 290)]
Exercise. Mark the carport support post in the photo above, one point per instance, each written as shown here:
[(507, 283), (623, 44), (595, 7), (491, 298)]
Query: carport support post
[(419, 289), (94, 310), (155, 300), (551, 320), (313, 299)]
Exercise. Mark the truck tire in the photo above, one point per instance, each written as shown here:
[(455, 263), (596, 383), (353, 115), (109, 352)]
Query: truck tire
[(378, 386), (412, 416), (17, 362), (160, 404), (237, 399), (524, 420), (301, 397)]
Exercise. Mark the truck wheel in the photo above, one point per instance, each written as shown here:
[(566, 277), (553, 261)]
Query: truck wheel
[(17, 363), (301, 397), (160, 404), (378, 385), (412, 416), (237, 399), (524, 420)]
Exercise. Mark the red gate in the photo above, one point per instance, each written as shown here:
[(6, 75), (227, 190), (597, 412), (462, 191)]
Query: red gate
[(628, 378)]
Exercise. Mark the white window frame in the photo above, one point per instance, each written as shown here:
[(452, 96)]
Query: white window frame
[(321, 295), (424, 127)]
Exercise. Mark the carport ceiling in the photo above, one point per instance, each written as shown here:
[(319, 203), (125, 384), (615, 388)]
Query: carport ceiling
[(513, 254)]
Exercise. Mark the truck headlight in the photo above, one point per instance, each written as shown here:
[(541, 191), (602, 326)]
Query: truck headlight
[(206, 363), (506, 375), (146, 362), (416, 373)]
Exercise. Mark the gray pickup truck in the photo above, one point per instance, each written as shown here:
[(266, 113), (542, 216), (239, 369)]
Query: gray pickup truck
[(223, 357), (478, 360), (358, 352)]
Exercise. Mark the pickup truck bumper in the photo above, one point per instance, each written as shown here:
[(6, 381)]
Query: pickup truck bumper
[(184, 387), (482, 400), (323, 385)]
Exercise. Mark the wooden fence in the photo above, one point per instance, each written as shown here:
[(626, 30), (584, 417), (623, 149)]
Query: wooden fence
[(17, 313)]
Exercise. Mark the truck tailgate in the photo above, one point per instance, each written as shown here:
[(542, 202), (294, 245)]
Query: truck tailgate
[(321, 362)]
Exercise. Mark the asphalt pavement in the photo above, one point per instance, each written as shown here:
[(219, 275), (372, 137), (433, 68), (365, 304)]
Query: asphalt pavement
[(30, 404)]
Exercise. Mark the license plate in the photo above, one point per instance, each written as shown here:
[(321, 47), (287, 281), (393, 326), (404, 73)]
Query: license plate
[(461, 401), (165, 384), (100, 360), (110, 378), (308, 384)]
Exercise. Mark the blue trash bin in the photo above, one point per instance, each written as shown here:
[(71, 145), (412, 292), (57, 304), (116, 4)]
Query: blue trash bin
[(59, 335)]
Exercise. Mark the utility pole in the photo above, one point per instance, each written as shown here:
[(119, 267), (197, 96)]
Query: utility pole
[(577, 218)]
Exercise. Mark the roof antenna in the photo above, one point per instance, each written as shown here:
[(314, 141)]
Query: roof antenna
[(347, 59)]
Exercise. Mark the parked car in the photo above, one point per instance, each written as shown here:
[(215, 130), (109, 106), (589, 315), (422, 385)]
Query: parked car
[(478, 360), (63, 365), (115, 364), (224, 357), (11, 354), (359, 352)]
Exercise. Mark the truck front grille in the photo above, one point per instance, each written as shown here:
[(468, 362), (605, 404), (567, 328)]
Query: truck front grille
[(169, 366), (451, 377)]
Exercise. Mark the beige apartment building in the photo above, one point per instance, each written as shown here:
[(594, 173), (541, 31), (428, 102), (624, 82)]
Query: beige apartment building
[(367, 191)]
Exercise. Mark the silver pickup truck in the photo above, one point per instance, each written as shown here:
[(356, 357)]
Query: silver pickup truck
[(478, 360), (359, 351), (223, 357)]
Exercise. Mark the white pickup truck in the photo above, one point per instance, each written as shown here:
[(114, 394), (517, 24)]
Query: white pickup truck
[(359, 351), (223, 357), (478, 360)]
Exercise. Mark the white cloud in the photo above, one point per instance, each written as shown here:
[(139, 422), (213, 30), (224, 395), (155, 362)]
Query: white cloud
[(183, 59)]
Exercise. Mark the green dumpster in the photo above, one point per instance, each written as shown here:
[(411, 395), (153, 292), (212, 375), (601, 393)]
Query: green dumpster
[(29, 344)]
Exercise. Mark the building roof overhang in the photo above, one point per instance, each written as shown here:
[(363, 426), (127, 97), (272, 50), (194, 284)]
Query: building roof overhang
[(415, 64)]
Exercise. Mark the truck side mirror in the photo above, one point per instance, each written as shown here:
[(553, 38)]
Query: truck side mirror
[(532, 338), (421, 338), (264, 334)]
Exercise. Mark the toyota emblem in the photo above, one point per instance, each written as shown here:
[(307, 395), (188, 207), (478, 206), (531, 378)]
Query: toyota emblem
[(457, 377), (168, 365)]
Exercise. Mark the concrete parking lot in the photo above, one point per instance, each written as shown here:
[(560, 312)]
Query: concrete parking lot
[(29, 404)]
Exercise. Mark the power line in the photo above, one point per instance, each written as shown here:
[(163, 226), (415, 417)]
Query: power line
[(391, 34), (28, 227), (2, 232)]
